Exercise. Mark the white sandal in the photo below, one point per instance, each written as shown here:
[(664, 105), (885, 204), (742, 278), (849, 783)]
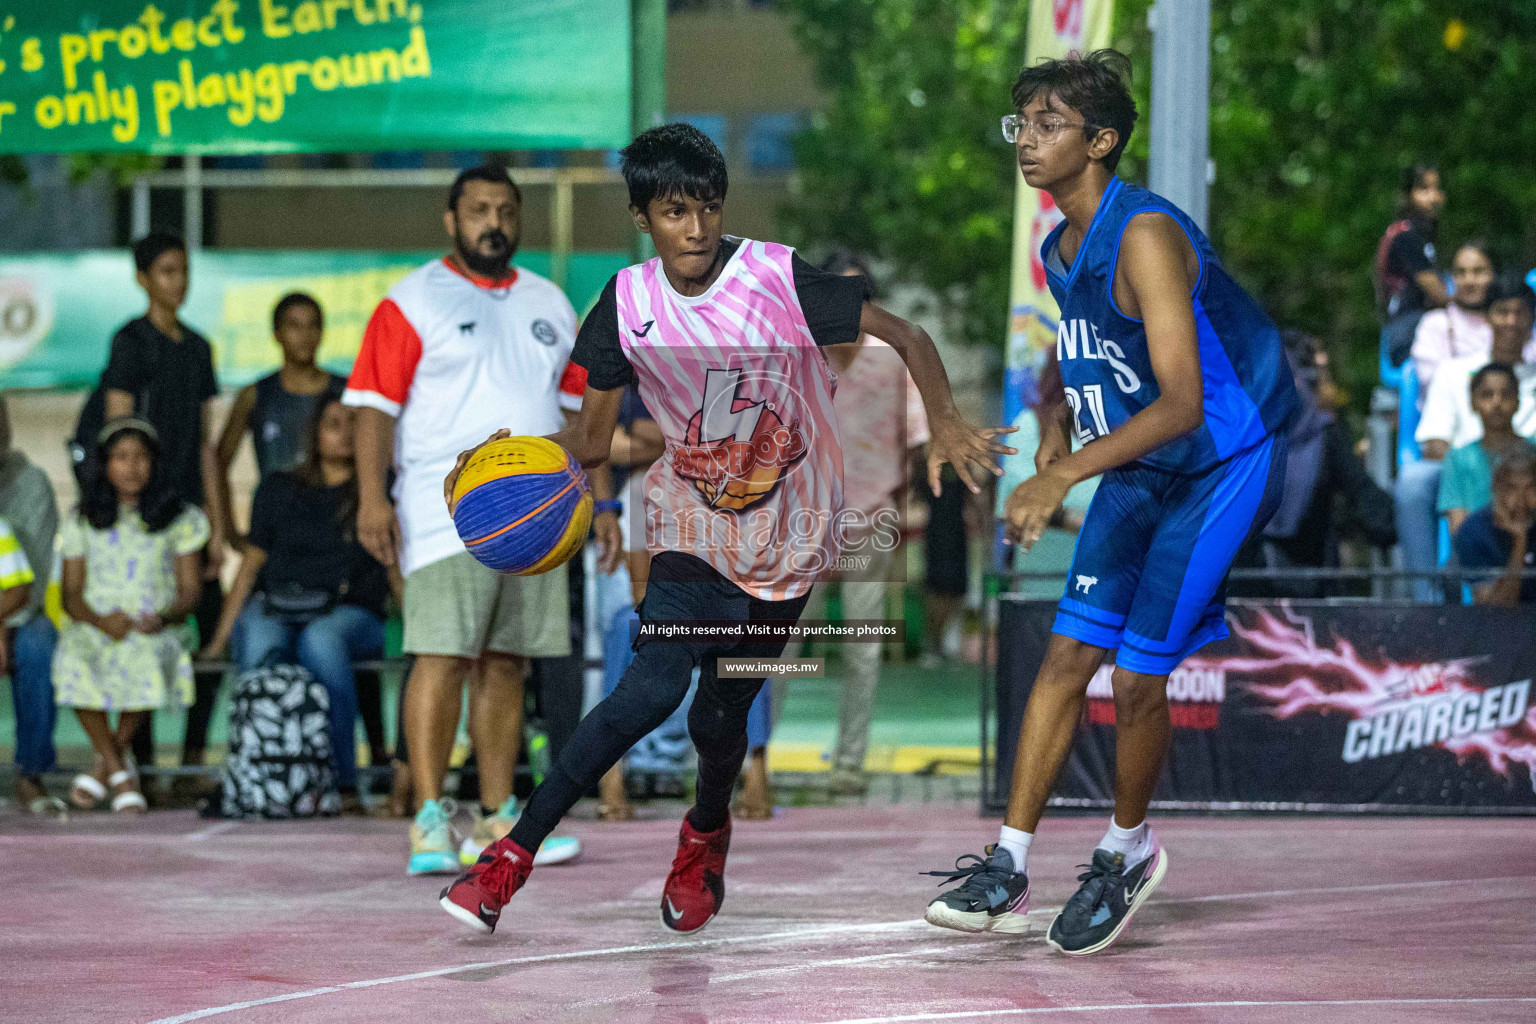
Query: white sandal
[(132, 800), (94, 792)]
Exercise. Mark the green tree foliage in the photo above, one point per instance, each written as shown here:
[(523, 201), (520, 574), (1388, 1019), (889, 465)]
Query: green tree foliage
[(907, 161), (1316, 107)]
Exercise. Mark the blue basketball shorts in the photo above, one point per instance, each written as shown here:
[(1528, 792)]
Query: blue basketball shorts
[(1149, 574)]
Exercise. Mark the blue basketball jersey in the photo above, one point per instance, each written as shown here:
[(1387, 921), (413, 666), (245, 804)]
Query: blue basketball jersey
[(1105, 366)]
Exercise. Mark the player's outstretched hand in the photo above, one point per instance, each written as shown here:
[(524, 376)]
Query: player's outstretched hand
[(958, 443), (1031, 506), (458, 467), (610, 541)]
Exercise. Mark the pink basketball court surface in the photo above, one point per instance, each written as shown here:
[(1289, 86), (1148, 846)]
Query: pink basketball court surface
[(1261, 919)]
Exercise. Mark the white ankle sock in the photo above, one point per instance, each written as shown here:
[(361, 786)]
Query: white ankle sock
[(1134, 843), (1016, 842)]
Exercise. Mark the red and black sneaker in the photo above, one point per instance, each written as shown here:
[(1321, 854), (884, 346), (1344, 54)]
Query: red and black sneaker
[(696, 887), (477, 896)]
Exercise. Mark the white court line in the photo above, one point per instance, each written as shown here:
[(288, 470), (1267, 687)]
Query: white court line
[(802, 933), (1225, 1004), (799, 933), (213, 830), (840, 962)]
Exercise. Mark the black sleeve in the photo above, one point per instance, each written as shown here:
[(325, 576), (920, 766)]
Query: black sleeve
[(1405, 256), (266, 513), (597, 344), (832, 303), (128, 365), (207, 383)]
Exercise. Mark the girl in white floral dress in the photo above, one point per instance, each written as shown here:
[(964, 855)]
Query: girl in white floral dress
[(130, 574)]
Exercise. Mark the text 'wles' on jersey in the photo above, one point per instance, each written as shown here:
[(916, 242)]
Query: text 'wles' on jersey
[(1079, 339)]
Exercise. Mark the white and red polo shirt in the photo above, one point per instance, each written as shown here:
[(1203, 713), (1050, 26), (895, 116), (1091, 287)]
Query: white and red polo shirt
[(456, 358)]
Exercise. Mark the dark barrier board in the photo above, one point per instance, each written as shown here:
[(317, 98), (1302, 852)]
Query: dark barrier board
[(1312, 706)]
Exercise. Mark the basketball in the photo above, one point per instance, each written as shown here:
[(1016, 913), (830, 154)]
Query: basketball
[(522, 506)]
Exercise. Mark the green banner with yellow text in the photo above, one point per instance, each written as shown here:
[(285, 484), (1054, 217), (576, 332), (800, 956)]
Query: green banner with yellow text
[(58, 312), (254, 76)]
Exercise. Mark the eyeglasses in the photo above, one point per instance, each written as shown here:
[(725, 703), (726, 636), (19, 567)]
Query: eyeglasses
[(1046, 130)]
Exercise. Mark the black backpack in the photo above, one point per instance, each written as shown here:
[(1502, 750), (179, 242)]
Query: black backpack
[(279, 763)]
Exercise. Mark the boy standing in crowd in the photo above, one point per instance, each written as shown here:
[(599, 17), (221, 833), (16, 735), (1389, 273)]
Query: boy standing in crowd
[(161, 371), (276, 410)]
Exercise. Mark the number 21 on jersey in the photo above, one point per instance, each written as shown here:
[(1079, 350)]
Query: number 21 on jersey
[(1091, 401)]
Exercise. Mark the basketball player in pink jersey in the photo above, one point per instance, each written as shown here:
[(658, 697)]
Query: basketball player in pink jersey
[(742, 512)]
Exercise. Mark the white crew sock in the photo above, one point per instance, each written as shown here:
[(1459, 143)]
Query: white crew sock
[(1134, 843), (1016, 842)]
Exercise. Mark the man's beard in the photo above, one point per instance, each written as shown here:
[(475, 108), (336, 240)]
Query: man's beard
[(479, 263)]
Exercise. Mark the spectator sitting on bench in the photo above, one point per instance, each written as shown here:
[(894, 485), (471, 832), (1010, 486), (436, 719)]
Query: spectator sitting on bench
[(132, 567), (27, 505), (315, 594), (1466, 483), (1448, 422), (1503, 535), (1461, 328)]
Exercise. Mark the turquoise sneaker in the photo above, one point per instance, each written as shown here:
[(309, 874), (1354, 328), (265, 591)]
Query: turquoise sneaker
[(432, 846), (554, 850)]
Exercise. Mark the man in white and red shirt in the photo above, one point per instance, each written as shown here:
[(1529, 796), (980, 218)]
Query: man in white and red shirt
[(723, 337), (458, 348)]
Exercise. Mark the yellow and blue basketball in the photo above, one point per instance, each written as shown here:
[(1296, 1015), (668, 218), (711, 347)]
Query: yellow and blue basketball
[(522, 506)]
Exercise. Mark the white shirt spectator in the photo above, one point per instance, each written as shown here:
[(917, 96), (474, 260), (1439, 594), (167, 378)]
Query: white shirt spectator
[(456, 359), (1448, 414), (1453, 333)]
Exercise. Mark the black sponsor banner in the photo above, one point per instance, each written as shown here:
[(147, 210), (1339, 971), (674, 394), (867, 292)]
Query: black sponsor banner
[(1313, 706)]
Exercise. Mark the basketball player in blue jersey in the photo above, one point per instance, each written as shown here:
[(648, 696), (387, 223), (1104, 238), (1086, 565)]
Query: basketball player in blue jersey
[(1177, 391)]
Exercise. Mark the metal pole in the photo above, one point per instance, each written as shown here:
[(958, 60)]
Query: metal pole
[(192, 202), (1181, 104), (140, 225), (561, 229)]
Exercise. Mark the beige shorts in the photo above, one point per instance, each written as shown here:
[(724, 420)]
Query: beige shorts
[(458, 607)]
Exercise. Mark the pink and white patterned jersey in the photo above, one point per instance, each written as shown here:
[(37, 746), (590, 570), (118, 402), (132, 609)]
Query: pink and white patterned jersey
[(752, 478)]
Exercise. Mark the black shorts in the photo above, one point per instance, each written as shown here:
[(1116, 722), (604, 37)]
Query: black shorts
[(685, 588), (945, 547)]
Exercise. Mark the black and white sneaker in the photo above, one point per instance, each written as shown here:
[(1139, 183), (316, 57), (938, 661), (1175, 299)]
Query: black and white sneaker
[(993, 897), (1103, 905)]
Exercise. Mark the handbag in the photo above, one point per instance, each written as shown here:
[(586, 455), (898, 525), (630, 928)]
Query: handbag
[(296, 603)]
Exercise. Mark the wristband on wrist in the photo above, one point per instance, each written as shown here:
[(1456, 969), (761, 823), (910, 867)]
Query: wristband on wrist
[(611, 505)]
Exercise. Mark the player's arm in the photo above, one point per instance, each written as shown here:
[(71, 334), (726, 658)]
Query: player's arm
[(605, 524), (215, 495), (1159, 271), (224, 457), (951, 440)]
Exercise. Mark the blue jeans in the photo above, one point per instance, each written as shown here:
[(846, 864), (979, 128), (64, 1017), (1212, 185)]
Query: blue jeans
[(32, 694), (1416, 501), (327, 647)]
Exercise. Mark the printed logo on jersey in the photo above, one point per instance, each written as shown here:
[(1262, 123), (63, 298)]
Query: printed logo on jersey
[(1196, 690), (543, 332), (739, 444)]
